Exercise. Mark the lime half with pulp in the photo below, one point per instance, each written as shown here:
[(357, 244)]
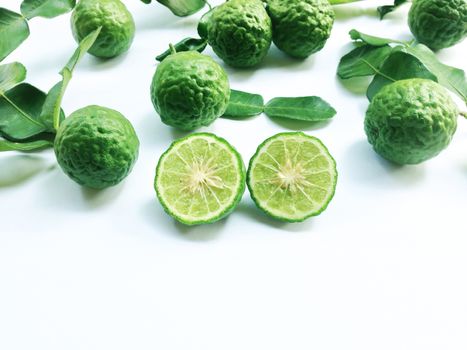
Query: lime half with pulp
[(200, 179), (292, 176)]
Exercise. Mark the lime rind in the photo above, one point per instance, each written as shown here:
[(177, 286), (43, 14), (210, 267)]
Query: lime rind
[(179, 200), (293, 205)]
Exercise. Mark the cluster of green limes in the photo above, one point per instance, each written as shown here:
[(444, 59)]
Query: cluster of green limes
[(201, 178), (241, 31)]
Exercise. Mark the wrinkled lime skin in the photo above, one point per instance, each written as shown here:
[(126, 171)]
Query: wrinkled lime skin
[(190, 90), (300, 27), (438, 23), (96, 147), (118, 26), (411, 121), (240, 32)]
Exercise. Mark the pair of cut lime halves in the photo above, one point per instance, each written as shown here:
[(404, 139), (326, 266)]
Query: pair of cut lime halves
[(201, 178)]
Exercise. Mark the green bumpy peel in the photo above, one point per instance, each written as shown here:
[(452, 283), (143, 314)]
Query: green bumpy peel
[(300, 27), (190, 90), (411, 121), (118, 26), (240, 32), (438, 23), (96, 147)]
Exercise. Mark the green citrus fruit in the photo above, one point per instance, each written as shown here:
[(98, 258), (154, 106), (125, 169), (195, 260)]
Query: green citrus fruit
[(300, 27), (96, 147), (118, 27), (292, 176), (239, 32), (189, 90), (438, 23), (200, 179), (411, 121)]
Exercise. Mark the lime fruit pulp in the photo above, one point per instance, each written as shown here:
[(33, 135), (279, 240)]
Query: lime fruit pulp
[(200, 179), (292, 176)]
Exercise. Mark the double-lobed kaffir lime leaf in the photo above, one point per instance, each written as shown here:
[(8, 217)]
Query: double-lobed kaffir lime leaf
[(391, 60), (307, 108)]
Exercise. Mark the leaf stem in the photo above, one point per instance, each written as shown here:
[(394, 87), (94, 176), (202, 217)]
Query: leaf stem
[(172, 49)]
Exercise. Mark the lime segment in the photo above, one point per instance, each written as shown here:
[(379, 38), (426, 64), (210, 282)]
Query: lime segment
[(200, 179), (292, 176)]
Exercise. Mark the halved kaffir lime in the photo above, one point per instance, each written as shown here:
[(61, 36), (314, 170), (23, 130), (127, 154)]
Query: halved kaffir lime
[(200, 179), (292, 176)]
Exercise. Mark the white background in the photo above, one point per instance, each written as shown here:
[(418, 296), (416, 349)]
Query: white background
[(383, 268)]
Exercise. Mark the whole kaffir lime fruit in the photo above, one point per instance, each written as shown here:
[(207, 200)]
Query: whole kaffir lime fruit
[(190, 90), (239, 32), (300, 27), (118, 26), (438, 23), (411, 121), (96, 147)]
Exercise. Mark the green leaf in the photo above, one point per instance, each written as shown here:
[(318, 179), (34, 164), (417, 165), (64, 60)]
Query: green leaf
[(398, 66), (372, 40), (6, 145), (11, 75), (187, 44), (183, 8), (146, 1), (14, 30), (243, 105), (450, 77), (204, 22), (82, 49), (20, 109), (309, 108), (340, 2), (51, 112), (384, 10), (52, 101), (46, 8), (362, 61)]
